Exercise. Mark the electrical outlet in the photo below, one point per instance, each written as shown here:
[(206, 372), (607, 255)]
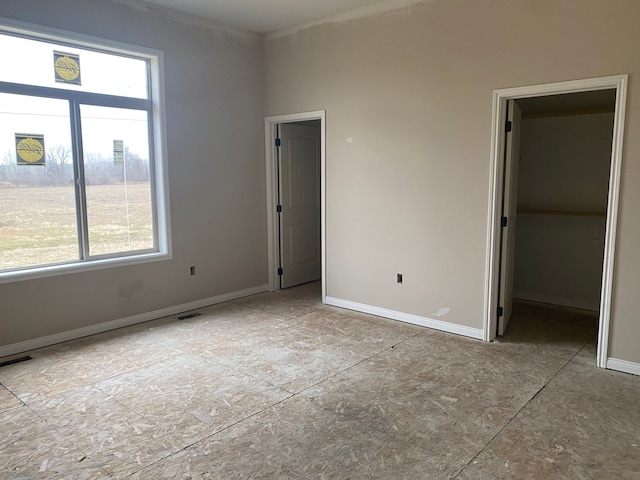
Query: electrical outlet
[(192, 270), (399, 278)]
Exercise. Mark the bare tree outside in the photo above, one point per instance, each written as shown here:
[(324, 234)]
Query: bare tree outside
[(38, 223), (59, 165), (58, 169)]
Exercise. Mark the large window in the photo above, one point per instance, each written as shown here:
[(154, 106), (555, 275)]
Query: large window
[(81, 170)]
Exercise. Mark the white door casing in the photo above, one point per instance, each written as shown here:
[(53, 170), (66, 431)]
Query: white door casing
[(271, 162), (509, 211), (299, 175), (496, 172)]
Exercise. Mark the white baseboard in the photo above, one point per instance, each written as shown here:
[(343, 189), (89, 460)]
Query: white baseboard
[(40, 342), (565, 302), (623, 366), (408, 318)]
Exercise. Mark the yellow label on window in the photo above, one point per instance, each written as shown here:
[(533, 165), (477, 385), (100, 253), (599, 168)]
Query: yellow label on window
[(30, 149), (67, 67)]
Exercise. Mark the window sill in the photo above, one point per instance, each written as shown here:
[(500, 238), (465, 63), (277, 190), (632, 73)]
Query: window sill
[(78, 267)]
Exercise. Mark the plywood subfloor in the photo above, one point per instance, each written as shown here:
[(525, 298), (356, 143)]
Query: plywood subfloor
[(280, 386)]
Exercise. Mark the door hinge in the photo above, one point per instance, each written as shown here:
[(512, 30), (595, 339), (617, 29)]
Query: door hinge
[(279, 208), (500, 311), (508, 126), (280, 271), (504, 221), (277, 142)]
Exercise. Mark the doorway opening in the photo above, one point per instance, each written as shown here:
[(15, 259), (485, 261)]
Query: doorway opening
[(585, 207), (295, 167)]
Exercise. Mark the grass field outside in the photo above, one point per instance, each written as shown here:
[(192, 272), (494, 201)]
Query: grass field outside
[(38, 224)]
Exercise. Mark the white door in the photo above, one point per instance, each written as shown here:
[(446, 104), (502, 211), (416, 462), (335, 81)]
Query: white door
[(299, 219), (509, 211)]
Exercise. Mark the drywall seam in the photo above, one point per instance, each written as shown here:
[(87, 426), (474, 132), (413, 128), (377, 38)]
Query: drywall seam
[(40, 342), (448, 327), (189, 19), (623, 366), (385, 6)]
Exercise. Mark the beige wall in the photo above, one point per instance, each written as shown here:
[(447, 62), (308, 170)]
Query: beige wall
[(559, 259), (413, 89), (214, 115), (564, 162), (564, 166)]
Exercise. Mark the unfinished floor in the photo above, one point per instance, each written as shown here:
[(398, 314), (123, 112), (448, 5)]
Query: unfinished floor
[(280, 386)]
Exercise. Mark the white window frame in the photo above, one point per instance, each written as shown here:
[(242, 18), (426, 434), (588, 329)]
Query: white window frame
[(158, 159)]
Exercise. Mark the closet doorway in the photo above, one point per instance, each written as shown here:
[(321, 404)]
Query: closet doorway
[(556, 171)]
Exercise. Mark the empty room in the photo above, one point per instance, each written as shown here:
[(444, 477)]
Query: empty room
[(341, 239)]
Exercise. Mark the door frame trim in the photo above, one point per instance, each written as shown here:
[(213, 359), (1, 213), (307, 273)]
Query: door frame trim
[(500, 98), (271, 159)]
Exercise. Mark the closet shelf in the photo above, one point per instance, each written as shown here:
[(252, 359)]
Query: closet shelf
[(571, 213)]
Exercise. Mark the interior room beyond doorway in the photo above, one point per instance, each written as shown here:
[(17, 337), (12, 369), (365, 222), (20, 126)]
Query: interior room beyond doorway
[(563, 172)]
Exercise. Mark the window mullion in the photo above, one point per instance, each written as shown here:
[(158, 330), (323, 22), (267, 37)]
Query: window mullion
[(152, 177), (80, 184), (81, 97)]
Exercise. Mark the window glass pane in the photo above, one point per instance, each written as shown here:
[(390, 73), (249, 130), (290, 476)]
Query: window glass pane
[(58, 66), (37, 197), (117, 176)]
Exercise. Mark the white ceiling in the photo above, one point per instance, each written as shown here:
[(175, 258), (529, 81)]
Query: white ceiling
[(263, 16)]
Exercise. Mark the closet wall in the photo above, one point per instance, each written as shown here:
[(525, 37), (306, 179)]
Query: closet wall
[(562, 201)]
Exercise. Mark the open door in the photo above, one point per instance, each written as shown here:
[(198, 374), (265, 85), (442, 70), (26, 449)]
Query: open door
[(497, 272), (509, 212), (299, 204)]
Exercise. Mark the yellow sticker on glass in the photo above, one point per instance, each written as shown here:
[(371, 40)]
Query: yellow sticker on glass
[(30, 149), (67, 67)]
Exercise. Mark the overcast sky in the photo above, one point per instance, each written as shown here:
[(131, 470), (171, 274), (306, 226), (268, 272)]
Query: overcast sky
[(102, 73)]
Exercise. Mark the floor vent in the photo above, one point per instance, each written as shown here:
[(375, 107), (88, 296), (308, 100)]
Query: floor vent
[(15, 360), (191, 315)]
